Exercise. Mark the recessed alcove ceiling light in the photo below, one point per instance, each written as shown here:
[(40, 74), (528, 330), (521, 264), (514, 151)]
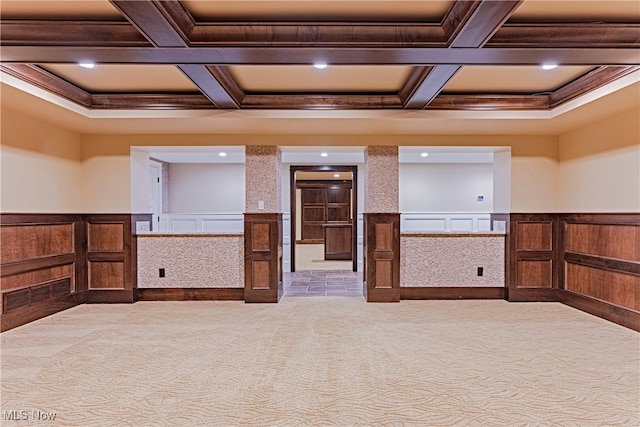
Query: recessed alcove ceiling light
[(87, 64), (320, 65), (324, 154), (549, 66), (336, 175), (424, 154), (222, 154)]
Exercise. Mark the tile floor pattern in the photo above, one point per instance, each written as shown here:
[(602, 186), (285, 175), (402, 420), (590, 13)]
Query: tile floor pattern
[(323, 283)]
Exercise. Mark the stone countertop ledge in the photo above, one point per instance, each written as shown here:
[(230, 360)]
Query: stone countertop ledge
[(452, 234), (193, 234)]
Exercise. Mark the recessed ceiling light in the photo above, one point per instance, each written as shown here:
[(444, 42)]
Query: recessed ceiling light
[(87, 64), (222, 154), (320, 65), (324, 154), (549, 66), (336, 175), (424, 154)]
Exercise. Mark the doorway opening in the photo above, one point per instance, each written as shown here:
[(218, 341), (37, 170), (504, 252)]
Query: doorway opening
[(324, 204)]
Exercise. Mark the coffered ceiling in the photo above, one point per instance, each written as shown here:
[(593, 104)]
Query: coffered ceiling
[(385, 55)]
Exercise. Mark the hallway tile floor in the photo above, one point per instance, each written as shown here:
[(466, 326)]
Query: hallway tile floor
[(323, 283)]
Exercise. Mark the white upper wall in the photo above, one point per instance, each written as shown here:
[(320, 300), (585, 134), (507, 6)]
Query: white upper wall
[(442, 187), (206, 188)]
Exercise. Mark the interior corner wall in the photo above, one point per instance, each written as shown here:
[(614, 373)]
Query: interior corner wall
[(534, 174), (106, 174), (600, 166), (41, 166)]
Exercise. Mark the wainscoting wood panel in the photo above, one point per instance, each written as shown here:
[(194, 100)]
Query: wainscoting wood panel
[(532, 257), (51, 262), (38, 274), (609, 286), (106, 237), (42, 241), (110, 258), (263, 257), (593, 260), (604, 240), (382, 257), (535, 274), (602, 261), (536, 236)]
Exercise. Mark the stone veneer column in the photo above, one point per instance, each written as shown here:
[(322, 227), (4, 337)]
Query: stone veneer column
[(263, 224), (381, 225)]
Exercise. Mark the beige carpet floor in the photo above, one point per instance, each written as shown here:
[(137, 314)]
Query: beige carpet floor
[(323, 361), (311, 257)]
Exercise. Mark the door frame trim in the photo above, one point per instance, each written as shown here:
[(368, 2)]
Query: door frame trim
[(354, 205)]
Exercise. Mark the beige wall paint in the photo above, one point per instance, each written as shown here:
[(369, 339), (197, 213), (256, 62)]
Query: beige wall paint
[(106, 175), (600, 166), (41, 166)]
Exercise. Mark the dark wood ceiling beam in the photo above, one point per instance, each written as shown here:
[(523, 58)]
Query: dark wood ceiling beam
[(151, 22), (305, 55), (45, 80), (490, 102), (472, 25), (319, 34), (165, 32), (579, 35), (70, 33), (321, 102), (132, 101), (594, 79), (313, 34)]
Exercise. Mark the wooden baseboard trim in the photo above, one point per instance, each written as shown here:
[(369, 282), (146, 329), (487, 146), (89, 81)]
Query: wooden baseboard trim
[(532, 295), (110, 297), (190, 294), (451, 293), (613, 313), (22, 316)]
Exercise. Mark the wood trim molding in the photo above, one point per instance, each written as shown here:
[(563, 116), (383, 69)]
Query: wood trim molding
[(451, 293), (190, 294), (603, 263)]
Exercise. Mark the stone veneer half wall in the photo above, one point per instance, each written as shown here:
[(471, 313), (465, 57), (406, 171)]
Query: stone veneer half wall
[(451, 260), (263, 165), (381, 180), (191, 260)]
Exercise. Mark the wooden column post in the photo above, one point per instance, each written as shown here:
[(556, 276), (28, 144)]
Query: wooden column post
[(382, 257), (263, 257)]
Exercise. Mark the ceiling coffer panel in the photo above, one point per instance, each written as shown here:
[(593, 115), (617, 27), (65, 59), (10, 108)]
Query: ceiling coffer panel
[(419, 54)]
